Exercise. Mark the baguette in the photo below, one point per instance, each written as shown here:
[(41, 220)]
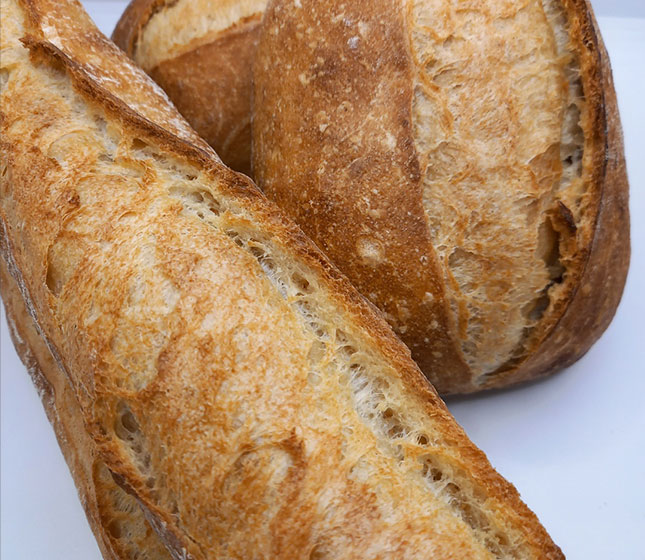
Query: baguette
[(120, 528), (463, 165), (201, 53), (229, 378)]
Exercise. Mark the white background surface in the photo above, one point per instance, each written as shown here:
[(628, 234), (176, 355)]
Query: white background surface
[(619, 8), (574, 445)]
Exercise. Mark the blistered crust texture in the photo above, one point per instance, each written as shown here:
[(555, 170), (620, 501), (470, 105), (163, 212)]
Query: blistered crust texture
[(450, 159), (232, 381)]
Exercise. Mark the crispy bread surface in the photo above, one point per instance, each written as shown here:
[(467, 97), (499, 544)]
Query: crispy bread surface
[(116, 519), (231, 379), (464, 168), (201, 53)]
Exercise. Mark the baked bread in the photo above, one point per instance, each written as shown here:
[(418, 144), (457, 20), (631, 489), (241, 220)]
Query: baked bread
[(120, 528), (230, 379), (201, 53), (462, 164)]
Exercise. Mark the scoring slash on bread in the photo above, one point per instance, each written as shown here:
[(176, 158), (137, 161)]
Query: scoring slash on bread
[(226, 376), (462, 164)]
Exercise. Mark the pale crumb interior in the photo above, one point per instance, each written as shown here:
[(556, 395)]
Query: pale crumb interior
[(186, 24), (498, 137)]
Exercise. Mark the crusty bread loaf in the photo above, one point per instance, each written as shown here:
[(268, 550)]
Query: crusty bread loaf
[(201, 52), (489, 225), (461, 163), (116, 519), (230, 379)]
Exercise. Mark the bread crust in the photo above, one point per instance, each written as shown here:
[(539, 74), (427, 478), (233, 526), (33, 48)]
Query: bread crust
[(334, 138), (135, 16), (209, 78), (117, 529), (220, 80), (147, 299)]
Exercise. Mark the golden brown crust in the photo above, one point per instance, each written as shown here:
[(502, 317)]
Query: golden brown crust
[(334, 145), (209, 80), (117, 527), (136, 15), (225, 370), (215, 95)]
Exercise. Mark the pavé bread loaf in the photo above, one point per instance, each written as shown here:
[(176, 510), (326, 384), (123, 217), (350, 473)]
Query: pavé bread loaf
[(462, 163), (201, 52), (227, 376)]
